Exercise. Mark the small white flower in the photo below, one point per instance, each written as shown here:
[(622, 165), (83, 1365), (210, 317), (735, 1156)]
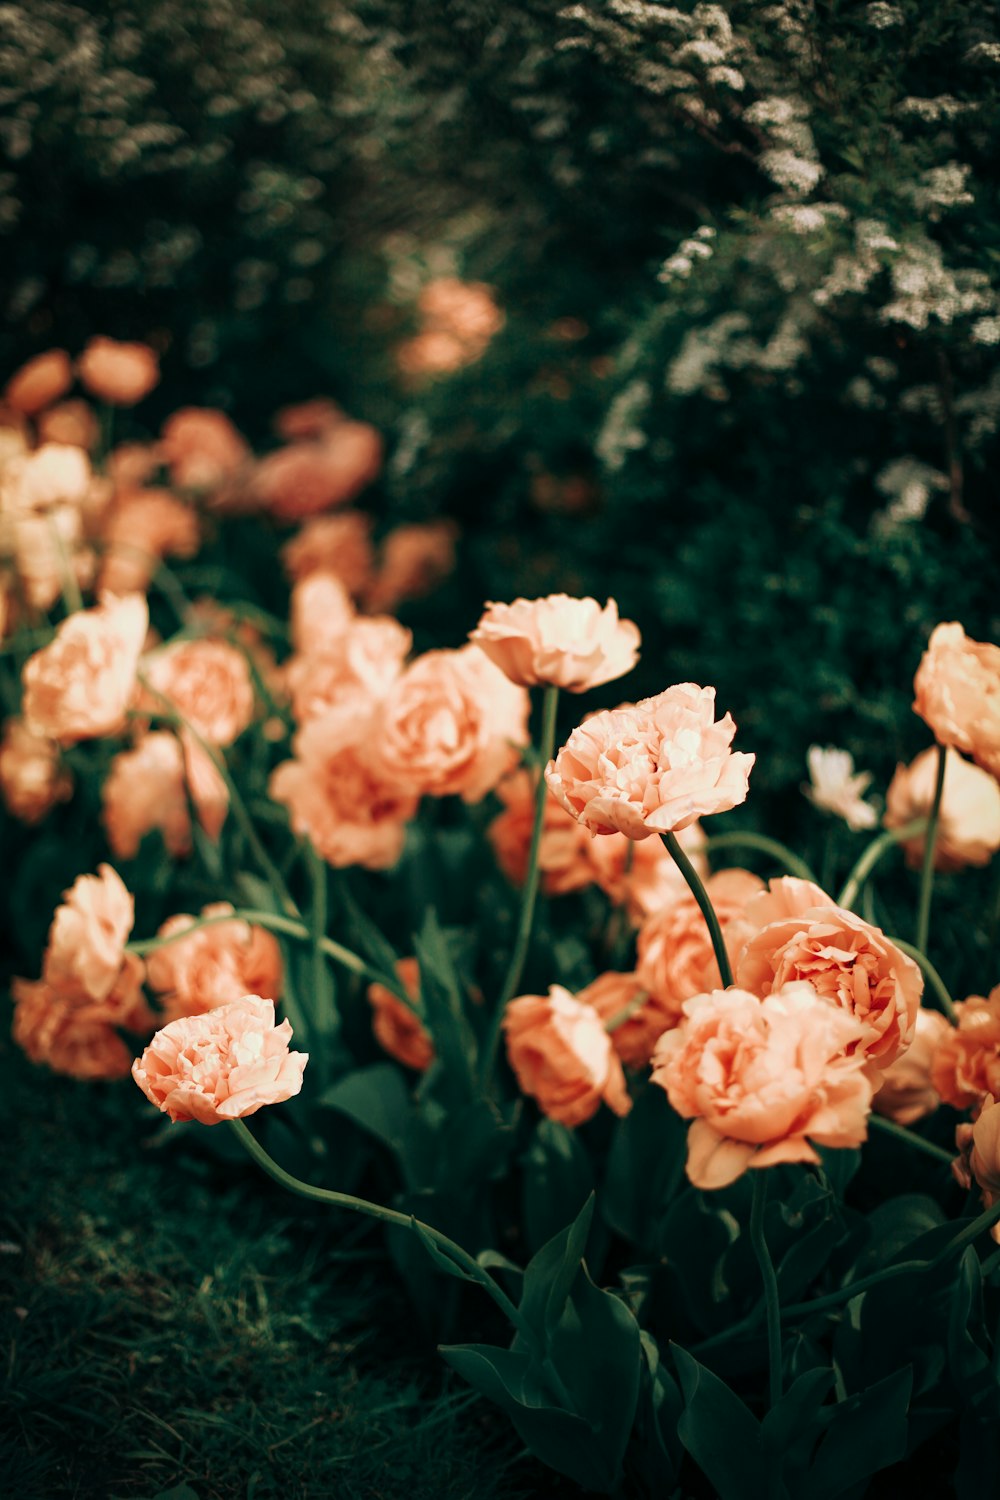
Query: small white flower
[(837, 788)]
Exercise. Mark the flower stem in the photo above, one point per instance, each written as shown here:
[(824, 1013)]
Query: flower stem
[(700, 894), (873, 854), (515, 968), (471, 1268), (792, 863), (910, 1137), (772, 1303), (288, 927), (927, 873), (932, 976), (619, 1018)]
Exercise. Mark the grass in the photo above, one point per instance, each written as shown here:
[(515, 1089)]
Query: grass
[(169, 1326)]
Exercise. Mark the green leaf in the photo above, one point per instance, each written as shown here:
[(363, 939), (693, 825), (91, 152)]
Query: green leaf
[(551, 1272), (373, 943), (441, 992), (791, 1430), (557, 1181), (377, 1099), (439, 1255), (645, 1166), (970, 1364), (867, 1432), (721, 1434), (655, 1451)]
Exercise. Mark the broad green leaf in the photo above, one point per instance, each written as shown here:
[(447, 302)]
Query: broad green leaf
[(721, 1434), (551, 1272), (377, 1099), (645, 1166), (557, 1181), (867, 1432)]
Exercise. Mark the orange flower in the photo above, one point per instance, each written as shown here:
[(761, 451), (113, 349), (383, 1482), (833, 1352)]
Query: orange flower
[(979, 1156), (339, 544), (957, 690), (222, 1065), (451, 725), (466, 309), (144, 527), (308, 419), (762, 1079), (399, 1030), (208, 683), (307, 477), (72, 423), (214, 965), (201, 448), (40, 382), (80, 685), (562, 855), (675, 957), (32, 779), (968, 831), (562, 1056), (612, 995), (339, 797), (413, 560), (53, 475), (797, 932), (53, 1031), (558, 641), (86, 946), (361, 664), (321, 611), (907, 1091), (119, 373), (966, 1063), (651, 767), (643, 876), (149, 787)]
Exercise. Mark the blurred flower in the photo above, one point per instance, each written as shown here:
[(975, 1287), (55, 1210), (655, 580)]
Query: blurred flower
[(214, 965), (119, 373), (151, 787), (339, 544), (315, 475), (968, 830), (399, 1030), (40, 382), (308, 419), (837, 788), (558, 641), (32, 777), (363, 662), (208, 683), (907, 1091), (321, 610), (612, 995), (413, 560), (562, 855), (563, 1058), (80, 685), (966, 1063), (651, 767), (979, 1155), (86, 945), (763, 1079), (222, 1065), (144, 527), (66, 1038), (957, 689), (201, 448), (71, 422)]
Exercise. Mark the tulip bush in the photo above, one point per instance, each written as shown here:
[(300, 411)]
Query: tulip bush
[(687, 1156)]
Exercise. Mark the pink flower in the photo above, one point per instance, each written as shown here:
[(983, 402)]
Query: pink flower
[(965, 1066), (120, 374), (208, 683), (613, 995), (413, 560), (72, 423), (364, 662), (222, 1065), (643, 876), (907, 1091), (339, 544), (796, 932), (651, 767), (399, 1030), (452, 725), (201, 448), (675, 958), (558, 641), (306, 477), (957, 689), (86, 946), (562, 855), (466, 309), (80, 685), (143, 528), (762, 1079), (979, 1156), (39, 382), (338, 795), (32, 778), (214, 965), (321, 611), (65, 1037), (968, 831), (150, 786), (562, 1056)]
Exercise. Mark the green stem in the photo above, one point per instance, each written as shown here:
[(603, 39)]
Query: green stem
[(627, 1012), (873, 854), (468, 1263), (700, 894), (932, 976), (72, 598), (522, 940), (927, 873), (772, 1304), (288, 927), (910, 1137), (784, 856), (169, 714)]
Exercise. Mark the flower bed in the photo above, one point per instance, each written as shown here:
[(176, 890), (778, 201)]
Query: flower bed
[(703, 1138)]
